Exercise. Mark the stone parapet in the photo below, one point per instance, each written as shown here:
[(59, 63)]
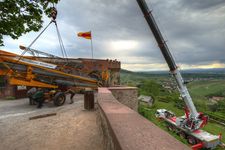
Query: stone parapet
[(124, 129), (126, 95)]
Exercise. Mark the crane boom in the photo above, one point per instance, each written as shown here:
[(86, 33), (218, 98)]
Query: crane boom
[(194, 115), (157, 34), (34, 51)]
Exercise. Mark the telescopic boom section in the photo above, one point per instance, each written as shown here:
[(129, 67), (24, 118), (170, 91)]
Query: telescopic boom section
[(169, 59), (157, 34)]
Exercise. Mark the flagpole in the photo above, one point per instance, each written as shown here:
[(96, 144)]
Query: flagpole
[(92, 52), (92, 49)]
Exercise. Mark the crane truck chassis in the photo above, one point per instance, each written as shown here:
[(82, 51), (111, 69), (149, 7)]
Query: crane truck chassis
[(198, 138), (187, 126)]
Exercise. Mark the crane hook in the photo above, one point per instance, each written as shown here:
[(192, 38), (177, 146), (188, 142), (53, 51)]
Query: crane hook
[(54, 13)]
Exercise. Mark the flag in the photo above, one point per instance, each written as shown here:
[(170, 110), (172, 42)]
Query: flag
[(86, 35)]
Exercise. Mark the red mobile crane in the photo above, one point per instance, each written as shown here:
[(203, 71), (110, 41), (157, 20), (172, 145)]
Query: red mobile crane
[(187, 126)]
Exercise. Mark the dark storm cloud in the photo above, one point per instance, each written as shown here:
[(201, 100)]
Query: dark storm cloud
[(112, 21), (202, 4), (116, 19), (196, 36), (194, 29)]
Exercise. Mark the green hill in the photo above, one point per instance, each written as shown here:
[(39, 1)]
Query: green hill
[(201, 88)]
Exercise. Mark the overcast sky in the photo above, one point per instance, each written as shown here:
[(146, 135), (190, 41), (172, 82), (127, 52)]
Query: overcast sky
[(194, 30)]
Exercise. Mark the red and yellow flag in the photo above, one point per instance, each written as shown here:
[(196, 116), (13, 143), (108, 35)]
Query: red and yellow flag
[(86, 35)]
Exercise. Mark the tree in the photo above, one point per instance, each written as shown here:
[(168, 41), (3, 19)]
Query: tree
[(18, 17)]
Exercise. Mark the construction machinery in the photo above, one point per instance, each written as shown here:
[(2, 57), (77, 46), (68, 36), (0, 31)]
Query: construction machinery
[(27, 71), (187, 126), (32, 72)]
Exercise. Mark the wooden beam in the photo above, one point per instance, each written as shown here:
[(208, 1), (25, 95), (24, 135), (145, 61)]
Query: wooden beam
[(42, 116)]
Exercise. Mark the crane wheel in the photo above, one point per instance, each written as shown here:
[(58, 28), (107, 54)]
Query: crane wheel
[(171, 128), (191, 140), (182, 134), (59, 99)]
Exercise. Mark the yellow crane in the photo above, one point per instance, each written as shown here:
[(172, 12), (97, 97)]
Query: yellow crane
[(25, 70), (29, 71)]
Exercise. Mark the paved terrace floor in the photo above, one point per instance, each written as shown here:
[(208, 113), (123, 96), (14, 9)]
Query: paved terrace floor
[(71, 129)]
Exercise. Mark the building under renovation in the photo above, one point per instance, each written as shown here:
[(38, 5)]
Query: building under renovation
[(109, 70)]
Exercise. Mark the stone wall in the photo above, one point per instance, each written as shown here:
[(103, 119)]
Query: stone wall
[(108, 137), (124, 129), (105, 131), (126, 95)]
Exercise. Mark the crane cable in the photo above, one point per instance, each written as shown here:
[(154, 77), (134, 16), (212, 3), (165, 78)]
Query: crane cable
[(61, 42), (53, 15), (24, 52)]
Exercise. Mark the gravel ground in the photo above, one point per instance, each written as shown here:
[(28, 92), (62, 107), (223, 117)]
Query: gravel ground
[(71, 129)]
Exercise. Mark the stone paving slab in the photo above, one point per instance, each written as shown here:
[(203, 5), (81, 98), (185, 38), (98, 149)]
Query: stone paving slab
[(72, 128)]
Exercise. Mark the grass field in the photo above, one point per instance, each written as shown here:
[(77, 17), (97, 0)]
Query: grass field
[(199, 90)]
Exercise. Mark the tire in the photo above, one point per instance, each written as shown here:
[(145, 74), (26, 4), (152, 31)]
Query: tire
[(59, 99), (191, 140), (171, 128), (182, 134)]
